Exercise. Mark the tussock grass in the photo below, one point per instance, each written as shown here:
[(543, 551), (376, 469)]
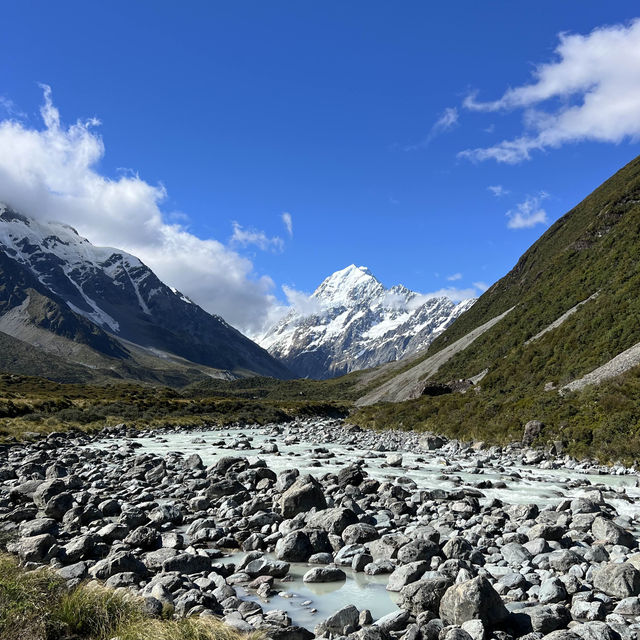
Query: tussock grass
[(37, 605), (186, 629)]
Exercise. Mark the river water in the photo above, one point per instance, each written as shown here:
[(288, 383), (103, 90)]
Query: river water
[(307, 604)]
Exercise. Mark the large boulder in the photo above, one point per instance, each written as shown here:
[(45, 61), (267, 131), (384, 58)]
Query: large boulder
[(144, 538), (265, 567), (532, 430), (47, 490), (406, 574), (618, 580), (334, 520), (418, 550), (324, 574), (474, 599), (187, 563), (350, 475), (302, 496), (424, 595), (359, 533), (119, 562), (294, 547), (609, 532), (342, 622), (543, 618), (33, 548)]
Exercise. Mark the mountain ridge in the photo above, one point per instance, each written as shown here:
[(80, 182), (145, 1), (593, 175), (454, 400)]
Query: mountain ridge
[(56, 281), (351, 322)]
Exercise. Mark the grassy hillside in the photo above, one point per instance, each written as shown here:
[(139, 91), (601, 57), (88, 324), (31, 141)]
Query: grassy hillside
[(593, 248)]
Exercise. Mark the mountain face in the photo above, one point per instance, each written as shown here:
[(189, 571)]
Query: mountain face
[(354, 322), (556, 340), (60, 293)]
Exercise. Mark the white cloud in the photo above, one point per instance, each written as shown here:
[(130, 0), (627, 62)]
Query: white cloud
[(455, 276), (303, 303), (498, 190), (447, 120), (454, 293), (288, 223), (246, 237), (528, 213), (52, 173), (591, 91), (482, 286)]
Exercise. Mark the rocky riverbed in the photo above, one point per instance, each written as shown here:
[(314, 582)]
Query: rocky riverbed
[(315, 528)]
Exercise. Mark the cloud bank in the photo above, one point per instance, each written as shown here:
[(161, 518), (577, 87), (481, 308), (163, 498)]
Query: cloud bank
[(52, 173), (591, 92)]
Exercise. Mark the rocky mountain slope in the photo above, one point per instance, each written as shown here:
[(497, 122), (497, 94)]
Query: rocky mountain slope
[(106, 311), (354, 322), (556, 339)]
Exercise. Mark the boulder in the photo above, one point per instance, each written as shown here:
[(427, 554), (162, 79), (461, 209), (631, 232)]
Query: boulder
[(424, 595), (474, 599), (294, 547), (608, 532), (405, 574), (342, 622), (618, 580), (532, 430), (324, 574), (334, 520), (302, 496)]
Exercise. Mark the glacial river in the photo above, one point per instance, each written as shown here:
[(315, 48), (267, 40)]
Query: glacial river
[(307, 604)]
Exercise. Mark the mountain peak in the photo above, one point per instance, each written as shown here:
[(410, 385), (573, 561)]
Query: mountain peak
[(348, 286), (357, 323)]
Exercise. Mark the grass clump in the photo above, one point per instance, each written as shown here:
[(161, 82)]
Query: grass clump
[(185, 629), (37, 605)]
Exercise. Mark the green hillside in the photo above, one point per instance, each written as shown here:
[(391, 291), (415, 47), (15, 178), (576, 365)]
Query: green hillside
[(595, 248)]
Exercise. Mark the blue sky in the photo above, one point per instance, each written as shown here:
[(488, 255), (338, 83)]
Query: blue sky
[(362, 120)]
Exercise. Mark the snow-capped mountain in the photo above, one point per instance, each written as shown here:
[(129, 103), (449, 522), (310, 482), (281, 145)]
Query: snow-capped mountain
[(353, 322), (53, 282)]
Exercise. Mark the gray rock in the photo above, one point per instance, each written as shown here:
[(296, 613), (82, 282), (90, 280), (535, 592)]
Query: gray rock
[(324, 574), (265, 567), (144, 538), (546, 618), (303, 495), (119, 562), (552, 590), (424, 595), (417, 550), (515, 554), (532, 430), (342, 622), (34, 548), (405, 574), (187, 563), (457, 547), (359, 533), (334, 520), (609, 532), (618, 580), (474, 599), (75, 571), (394, 621), (582, 610), (294, 547), (628, 607)]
